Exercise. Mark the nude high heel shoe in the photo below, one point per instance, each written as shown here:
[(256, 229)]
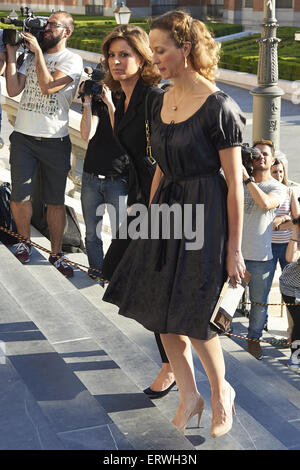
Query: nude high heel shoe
[(197, 410), (222, 415)]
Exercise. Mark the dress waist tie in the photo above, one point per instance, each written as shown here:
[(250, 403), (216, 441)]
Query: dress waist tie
[(171, 193)]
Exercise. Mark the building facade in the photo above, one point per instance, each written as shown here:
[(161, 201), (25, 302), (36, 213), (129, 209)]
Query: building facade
[(246, 12)]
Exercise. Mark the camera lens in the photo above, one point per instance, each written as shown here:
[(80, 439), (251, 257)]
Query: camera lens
[(97, 89), (12, 37)]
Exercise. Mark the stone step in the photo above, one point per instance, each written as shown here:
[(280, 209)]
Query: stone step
[(268, 426), (270, 377), (241, 438), (44, 405), (77, 332)]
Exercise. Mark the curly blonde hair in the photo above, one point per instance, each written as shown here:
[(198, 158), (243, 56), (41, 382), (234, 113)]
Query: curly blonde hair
[(138, 39), (205, 51)]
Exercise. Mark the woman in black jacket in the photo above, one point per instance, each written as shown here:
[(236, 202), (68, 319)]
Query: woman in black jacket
[(129, 62)]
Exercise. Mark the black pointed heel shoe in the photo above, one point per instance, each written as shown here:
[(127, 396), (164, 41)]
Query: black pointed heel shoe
[(153, 395)]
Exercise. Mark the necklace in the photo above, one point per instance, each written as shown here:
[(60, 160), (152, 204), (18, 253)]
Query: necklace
[(193, 90), (175, 106)]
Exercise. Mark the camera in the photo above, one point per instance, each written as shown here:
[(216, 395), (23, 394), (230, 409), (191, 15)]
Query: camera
[(92, 86), (31, 24), (248, 155)]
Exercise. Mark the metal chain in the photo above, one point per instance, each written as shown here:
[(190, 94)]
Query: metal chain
[(272, 342), (265, 305), (81, 266)]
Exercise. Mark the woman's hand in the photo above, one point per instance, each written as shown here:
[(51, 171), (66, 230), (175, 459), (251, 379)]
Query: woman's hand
[(87, 98), (235, 266), (106, 96), (279, 221)]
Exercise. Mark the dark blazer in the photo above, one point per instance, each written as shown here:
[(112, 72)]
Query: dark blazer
[(129, 129)]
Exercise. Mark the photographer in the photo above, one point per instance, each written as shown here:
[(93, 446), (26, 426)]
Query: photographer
[(290, 288), (262, 195), (105, 171), (48, 78)]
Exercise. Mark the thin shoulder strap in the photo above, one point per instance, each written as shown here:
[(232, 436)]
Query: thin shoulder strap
[(146, 104), (150, 159), (149, 92)]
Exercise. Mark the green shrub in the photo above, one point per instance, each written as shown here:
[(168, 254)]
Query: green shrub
[(240, 54), (223, 29), (248, 49)]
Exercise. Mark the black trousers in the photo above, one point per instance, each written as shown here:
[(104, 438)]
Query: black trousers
[(163, 355), (295, 314)]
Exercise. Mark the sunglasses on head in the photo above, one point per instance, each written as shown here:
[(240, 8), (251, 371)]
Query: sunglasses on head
[(263, 142)]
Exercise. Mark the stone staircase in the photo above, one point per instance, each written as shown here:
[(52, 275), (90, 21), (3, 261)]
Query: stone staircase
[(73, 370)]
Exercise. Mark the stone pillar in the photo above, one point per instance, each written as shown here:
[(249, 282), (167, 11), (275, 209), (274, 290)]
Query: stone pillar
[(267, 95)]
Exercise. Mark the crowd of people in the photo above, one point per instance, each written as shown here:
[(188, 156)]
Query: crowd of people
[(247, 221)]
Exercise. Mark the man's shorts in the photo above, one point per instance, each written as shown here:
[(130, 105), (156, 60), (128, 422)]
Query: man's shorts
[(53, 155)]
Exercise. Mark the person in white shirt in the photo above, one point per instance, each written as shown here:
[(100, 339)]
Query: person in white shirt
[(262, 196), (48, 79)]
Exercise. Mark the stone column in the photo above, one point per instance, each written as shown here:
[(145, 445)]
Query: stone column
[(267, 95)]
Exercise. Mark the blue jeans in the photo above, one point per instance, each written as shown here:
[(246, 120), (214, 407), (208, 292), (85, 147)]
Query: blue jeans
[(278, 250), (96, 194), (259, 288)]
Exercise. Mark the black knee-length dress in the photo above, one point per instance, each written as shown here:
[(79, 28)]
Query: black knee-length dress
[(162, 283)]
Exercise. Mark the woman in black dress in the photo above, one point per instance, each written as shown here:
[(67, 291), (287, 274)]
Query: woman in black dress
[(128, 59), (171, 285)]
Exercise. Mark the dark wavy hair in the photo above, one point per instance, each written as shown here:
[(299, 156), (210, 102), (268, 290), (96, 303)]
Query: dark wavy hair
[(138, 39)]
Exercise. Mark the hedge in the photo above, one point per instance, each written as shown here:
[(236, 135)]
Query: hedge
[(240, 54)]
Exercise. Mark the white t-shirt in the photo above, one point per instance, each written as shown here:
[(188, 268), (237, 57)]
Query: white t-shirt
[(42, 115), (257, 229)]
